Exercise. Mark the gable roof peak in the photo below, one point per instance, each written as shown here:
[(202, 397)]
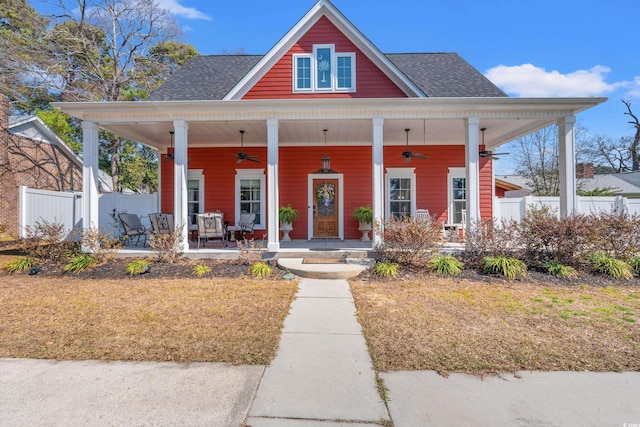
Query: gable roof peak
[(327, 9)]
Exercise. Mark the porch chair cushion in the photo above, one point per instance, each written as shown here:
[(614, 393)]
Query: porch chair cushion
[(211, 226), (133, 227), (245, 225)]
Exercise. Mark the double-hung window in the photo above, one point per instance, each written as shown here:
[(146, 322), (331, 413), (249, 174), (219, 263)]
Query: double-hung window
[(401, 192), (250, 194), (457, 186), (325, 70), (195, 192)]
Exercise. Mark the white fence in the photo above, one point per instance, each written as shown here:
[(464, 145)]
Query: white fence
[(67, 208), (514, 208)]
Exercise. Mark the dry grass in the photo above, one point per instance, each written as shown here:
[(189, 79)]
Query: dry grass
[(224, 320), (453, 325)]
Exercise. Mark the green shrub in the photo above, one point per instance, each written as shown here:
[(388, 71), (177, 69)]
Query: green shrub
[(19, 264), (445, 265), (634, 263), (80, 263), (200, 270), (386, 269), (260, 269), (509, 267), (603, 263), (138, 266), (558, 269)]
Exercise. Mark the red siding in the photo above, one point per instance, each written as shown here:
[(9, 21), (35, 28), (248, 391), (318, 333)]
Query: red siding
[(370, 81), (355, 163), (486, 201), (297, 162)]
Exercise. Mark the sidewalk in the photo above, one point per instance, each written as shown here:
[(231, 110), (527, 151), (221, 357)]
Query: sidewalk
[(321, 377)]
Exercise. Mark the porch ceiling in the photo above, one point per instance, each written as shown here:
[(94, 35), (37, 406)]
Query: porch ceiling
[(433, 121)]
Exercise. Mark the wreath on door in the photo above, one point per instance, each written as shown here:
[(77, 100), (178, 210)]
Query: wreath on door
[(325, 194)]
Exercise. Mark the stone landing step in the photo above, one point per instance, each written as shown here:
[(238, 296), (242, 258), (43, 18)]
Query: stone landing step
[(338, 270)]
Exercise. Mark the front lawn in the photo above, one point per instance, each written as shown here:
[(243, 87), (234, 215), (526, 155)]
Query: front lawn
[(484, 327), (232, 320)]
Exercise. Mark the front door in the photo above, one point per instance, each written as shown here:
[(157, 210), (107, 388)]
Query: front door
[(325, 208)]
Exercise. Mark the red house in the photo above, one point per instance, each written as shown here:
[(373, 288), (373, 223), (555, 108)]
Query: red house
[(326, 122)]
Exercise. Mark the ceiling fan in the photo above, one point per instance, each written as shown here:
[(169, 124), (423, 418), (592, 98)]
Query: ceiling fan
[(242, 156), (487, 153), (170, 156), (408, 154)]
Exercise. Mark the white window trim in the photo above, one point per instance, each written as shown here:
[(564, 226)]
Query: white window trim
[(198, 174), (314, 71), (252, 174), (332, 61), (295, 72), (399, 173), (454, 173), (352, 88)]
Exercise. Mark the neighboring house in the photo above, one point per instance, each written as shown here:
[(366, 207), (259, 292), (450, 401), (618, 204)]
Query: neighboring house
[(326, 122), (626, 184), (31, 155)]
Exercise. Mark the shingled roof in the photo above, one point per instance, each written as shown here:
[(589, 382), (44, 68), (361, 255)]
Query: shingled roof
[(436, 74)]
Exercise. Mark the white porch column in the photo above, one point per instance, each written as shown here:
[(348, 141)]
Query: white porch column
[(566, 143), (90, 175), (273, 227), (472, 157), (180, 170), (378, 178)]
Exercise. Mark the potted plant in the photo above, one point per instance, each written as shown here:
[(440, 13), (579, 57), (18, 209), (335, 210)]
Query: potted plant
[(364, 215), (286, 215)]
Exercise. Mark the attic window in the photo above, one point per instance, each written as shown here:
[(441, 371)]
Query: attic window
[(324, 70)]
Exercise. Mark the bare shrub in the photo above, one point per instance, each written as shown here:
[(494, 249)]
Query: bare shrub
[(409, 241), (101, 245), (250, 251), (167, 247), (492, 238), (571, 240), (47, 240), (617, 232)]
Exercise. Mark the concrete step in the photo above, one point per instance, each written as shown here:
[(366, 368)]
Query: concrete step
[(325, 253), (342, 270)]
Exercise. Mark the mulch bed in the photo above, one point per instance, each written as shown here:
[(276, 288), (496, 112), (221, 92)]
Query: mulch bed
[(533, 276)]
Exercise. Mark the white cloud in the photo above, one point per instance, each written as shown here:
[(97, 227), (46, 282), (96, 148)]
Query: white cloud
[(528, 80), (634, 88), (177, 9)]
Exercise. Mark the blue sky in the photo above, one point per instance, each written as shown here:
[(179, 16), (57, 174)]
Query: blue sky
[(542, 48), (528, 48)]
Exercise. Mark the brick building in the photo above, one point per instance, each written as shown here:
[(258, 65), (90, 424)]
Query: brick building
[(31, 155)]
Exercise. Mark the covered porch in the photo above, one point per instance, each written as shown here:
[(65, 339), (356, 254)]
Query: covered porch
[(365, 138)]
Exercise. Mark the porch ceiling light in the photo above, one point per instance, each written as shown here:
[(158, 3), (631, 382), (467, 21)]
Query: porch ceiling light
[(170, 154), (326, 160)]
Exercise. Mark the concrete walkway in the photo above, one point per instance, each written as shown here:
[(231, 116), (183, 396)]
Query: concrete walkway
[(323, 370), (322, 376)]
